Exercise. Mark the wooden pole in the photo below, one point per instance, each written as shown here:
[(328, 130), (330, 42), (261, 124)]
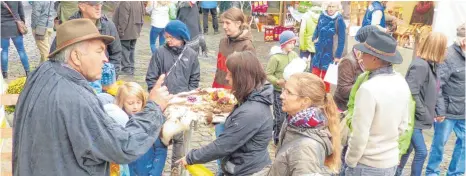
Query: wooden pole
[(280, 14)]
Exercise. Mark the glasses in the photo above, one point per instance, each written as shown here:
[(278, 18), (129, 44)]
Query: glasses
[(286, 92), (168, 37)]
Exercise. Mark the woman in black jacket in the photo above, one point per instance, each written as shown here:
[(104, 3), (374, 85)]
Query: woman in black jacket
[(242, 147), (423, 82), (10, 31)]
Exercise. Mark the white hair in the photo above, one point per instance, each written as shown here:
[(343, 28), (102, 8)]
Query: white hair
[(459, 40), (65, 54), (327, 3)]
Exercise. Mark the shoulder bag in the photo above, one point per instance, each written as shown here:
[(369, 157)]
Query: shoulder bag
[(39, 33), (23, 29)]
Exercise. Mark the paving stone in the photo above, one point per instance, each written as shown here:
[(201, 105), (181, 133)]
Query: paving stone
[(204, 135)]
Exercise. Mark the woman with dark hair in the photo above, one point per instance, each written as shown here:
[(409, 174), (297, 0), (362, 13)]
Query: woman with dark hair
[(237, 38), (242, 147)]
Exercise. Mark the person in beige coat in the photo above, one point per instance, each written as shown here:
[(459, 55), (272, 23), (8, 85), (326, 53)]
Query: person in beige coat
[(310, 136), (129, 18)]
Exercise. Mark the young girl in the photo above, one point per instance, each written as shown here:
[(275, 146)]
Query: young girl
[(131, 97)]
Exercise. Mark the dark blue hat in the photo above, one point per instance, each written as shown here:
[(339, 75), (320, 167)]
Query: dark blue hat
[(178, 30)]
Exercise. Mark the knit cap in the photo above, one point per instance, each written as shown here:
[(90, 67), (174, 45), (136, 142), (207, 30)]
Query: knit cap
[(178, 29), (364, 32), (286, 36)]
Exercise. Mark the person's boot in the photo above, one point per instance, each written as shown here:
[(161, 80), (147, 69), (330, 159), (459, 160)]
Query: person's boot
[(5, 75), (27, 73)]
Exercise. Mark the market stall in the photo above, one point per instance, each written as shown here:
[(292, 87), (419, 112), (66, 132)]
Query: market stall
[(406, 20)]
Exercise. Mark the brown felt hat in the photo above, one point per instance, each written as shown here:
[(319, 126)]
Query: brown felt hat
[(78, 30)]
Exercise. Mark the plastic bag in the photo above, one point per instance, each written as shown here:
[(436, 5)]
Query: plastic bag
[(297, 65), (199, 170), (332, 74)]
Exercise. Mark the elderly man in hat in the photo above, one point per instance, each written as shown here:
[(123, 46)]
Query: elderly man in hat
[(181, 65), (381, 110), (60, 126), (93, 10), (450, 108)]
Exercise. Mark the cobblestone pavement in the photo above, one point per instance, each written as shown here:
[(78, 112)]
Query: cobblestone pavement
[(204, 135)]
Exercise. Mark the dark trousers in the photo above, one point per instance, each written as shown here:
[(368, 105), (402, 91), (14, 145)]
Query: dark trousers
[(127, 61), (205, 13), (177, 151), (279, 116)]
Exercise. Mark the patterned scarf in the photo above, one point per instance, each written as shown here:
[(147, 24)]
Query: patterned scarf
[(311, 117)]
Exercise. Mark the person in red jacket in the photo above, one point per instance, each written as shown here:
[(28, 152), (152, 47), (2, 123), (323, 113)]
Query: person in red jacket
[(238, 38)]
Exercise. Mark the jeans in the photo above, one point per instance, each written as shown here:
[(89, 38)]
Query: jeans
[(279, 116), (420, 154), (18, 42), (364, 170), (219, 128), (343, 163), (205, 22), (152, 162), (441, 134), (154, 33)]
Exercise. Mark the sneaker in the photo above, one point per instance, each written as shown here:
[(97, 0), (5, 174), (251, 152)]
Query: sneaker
[(206, 32), (216, 32)]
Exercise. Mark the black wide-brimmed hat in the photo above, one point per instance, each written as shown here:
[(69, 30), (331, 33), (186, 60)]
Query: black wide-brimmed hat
[(382, 46)]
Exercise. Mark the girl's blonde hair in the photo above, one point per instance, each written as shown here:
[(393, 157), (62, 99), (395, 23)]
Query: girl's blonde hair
[(310, 86), (130, 89), (433, 47), (235, 14)]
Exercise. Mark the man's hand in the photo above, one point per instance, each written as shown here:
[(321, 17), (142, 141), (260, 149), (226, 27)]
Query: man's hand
[(440, 118), (160, 94), (336, 60), (316, 40), (281, 83), (182, 161)]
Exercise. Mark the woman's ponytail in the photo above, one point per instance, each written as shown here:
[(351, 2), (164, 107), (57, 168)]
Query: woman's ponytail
[(333, 161)]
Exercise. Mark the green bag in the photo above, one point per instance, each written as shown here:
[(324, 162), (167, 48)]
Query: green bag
[(404, 140)]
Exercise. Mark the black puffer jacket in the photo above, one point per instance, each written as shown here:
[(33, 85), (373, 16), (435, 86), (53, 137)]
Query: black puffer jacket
[(243, 145), (106, 27), (9, 28), (185, 76)]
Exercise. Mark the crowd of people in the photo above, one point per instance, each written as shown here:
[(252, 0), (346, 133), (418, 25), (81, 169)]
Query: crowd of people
[(68, 122)]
